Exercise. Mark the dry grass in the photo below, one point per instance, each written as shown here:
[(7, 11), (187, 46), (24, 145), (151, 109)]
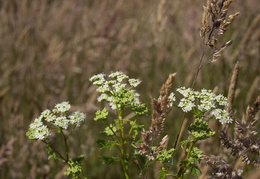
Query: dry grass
[(49, 49)]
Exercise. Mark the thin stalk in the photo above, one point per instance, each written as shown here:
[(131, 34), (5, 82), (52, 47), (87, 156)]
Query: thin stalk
[(66, 145), (184, 167), (124, 161), (180, 132), (56, 152), (200, 62)]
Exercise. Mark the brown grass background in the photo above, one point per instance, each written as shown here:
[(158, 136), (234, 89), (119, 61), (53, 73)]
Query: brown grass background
[(49, 50)]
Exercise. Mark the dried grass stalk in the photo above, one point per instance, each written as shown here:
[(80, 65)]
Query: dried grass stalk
[(161, 107), (232, 89)]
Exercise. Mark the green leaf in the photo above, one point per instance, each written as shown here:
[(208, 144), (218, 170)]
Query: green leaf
[(109, 130), (162, 173), (75, 167), (109, 160), (195, 155), (182, 143), (52, 155), (165, 155), (105, 144), (140, 109), (101, 115), (200, 130), (194, 170)]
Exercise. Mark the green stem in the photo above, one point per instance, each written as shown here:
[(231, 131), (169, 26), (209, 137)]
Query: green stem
[(56, 152), (66, 145), (186, 165), (179, 131), (124, 160)]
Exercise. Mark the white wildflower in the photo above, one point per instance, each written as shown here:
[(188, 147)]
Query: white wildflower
[(41, 132), (77, 118), (103, 88), (37, 130), (37, 122), (119, 76), (186, 105), (118, 86), (112, 102), (206, 105), (171, 99), (62, 107), (134, 82), (48, 115), (111, 82), (62, 122), (103, 97), (222, 100), (222, 116), (98, 79), (188, 93), (136, 97)]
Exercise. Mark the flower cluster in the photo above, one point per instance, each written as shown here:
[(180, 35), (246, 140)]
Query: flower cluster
[(118, 90), (58, 117), (204, 101)]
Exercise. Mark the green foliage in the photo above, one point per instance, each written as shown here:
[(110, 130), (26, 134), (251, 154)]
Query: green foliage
[(75, 167), (163, 173), (165, 155), (119, 94), (105, 143), (195, 155), (194, 170), (51, 153), (101, 115), (109, 160), (199, 130), (109, 130), (140, 109)]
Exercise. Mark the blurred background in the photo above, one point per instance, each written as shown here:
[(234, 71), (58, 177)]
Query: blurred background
[(50, 49)]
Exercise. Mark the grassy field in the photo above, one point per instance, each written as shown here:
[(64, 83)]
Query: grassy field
[(50, 49)]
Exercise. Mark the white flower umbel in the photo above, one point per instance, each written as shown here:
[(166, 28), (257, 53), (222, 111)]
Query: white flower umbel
[(118, 92), (41, 132), (171, 99), (76, 118), (207, 100), (48, 115), (134, 82), (103, 97), (118, 75), (222, 116), (188, 93), (37, 122), (62, 107), (58, 117), (62, 122), (186, 105), (136, 97), (37, 130), (204, 101), (222, 100), (119, 86), (103, 88), (98, 79)]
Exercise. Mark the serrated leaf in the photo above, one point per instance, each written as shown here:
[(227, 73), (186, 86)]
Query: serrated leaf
[(105, 143), (194, 170), (101, 115), (109, 130), (182, 143), (109, 160)]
